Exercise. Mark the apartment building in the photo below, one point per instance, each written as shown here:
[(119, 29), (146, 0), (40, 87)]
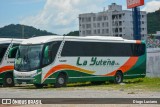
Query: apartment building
[(111, 22)]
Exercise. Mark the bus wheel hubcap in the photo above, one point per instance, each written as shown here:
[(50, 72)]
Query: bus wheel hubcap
[(9, 80), (61, 81)]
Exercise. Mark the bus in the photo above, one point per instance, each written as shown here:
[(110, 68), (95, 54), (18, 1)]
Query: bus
[(59, 60), (8, 49)]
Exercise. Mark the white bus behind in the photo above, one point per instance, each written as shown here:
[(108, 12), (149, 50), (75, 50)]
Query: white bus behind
[(8, 49)]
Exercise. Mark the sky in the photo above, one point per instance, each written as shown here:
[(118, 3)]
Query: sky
[(57, 16)]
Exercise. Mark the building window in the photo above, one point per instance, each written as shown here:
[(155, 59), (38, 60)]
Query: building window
[(116, 30), (120, 23), (88, 19), (88, 26), (103, 31), (94, 25), (94, 18), (98, 31), (106, 24), (83, 32), (105, 18), (98, 24), (83, 26), (107, 31), (99, 18), (102, 24), (120, 29), (88, 32), (120, 16), (95, 31), (82, 19)]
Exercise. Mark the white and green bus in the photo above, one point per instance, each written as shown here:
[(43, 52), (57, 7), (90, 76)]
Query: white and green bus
[(60, 60), (8, 49)]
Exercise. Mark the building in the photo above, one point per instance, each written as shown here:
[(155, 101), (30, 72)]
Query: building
[(111, 22)]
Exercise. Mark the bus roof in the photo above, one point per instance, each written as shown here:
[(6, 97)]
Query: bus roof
[(8, 40), (45, 39)]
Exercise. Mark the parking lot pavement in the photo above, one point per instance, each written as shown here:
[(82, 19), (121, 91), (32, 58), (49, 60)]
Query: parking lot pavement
[(25, 92)]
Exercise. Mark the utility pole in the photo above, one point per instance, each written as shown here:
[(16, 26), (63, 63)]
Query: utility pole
[(136, 23), (23, 31)]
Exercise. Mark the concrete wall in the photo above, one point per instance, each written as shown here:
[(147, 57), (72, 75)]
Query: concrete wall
[(153, 62)]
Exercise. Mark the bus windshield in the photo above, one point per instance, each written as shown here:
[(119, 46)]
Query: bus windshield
[(28, 57)]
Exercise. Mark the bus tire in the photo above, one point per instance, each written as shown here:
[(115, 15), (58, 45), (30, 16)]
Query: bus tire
[(61, 81), (8, 81), (38, 85), (118, 77)]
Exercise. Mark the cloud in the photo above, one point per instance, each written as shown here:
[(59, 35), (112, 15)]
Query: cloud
[(151, 6), (61, 16)]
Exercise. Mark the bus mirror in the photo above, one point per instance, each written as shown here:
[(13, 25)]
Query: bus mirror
[(46, 52), (12, 52)]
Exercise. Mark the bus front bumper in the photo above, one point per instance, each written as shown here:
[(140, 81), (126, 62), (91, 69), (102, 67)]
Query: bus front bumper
[(24, 81), (31, 77)]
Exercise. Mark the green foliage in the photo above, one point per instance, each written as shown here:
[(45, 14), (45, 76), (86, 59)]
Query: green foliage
[(144, 84), (15, 31), (153, 22), (73, 33)]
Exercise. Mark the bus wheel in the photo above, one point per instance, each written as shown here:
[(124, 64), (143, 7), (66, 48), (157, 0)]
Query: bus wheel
[(38, 85), (61, 81), (8, 81), (118, 77)]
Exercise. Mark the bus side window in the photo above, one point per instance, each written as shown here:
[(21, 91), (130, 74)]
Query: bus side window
[(13, 51), (139, 49), (50, 52), (45, 55)]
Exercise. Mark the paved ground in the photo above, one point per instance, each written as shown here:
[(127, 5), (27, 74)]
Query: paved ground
[(75, 92)]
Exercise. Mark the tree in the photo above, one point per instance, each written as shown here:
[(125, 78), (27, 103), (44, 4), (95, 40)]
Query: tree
[(72, 33), (18, 31)]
